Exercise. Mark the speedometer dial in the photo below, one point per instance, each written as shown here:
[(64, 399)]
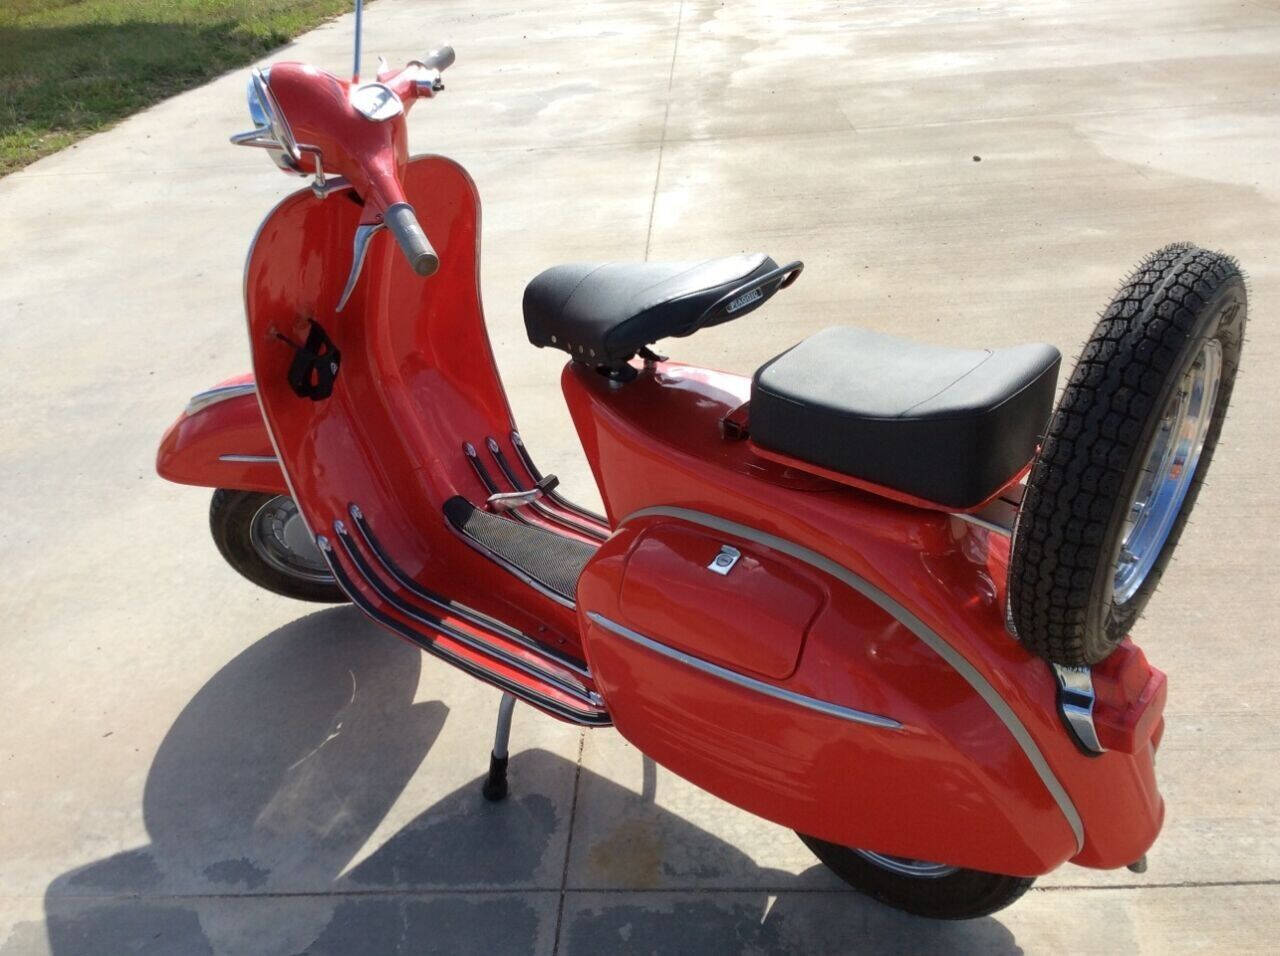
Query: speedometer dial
[(376, 101)]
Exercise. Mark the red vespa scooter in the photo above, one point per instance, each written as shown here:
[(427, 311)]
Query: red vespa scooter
[(879, 592)]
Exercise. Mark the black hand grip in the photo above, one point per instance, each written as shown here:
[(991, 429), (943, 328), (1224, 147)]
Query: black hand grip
[(440, 59), (403, 224)]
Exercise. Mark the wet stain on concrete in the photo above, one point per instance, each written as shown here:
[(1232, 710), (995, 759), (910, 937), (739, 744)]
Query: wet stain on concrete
[(631, 855), (702, 928), (471, 845), (137, 928), (132, 872), (445, 925), (523, 108), (674, 870), (241, 872)]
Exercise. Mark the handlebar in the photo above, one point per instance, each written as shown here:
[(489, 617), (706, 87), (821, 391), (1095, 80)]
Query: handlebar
[(402, 223), (440, 59), (359, 129)]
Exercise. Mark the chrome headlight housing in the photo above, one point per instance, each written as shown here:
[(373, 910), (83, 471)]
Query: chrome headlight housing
[(271, 130)]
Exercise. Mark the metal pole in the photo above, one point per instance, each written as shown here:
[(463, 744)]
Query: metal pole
[(503, 734), (355, 68), (495, 784)]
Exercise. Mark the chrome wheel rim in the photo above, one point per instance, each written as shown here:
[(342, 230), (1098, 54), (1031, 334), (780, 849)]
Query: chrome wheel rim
[(919, 869), (1167, 472), (281, 539)]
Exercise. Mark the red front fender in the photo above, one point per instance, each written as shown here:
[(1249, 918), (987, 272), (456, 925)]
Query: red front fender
[(220, 441)]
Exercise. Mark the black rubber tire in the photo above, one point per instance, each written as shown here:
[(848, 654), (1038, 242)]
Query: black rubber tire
[(1071, 523), (231, 515), (963, 894)]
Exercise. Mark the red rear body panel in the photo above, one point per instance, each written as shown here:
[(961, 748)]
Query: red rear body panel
[(955, 784)]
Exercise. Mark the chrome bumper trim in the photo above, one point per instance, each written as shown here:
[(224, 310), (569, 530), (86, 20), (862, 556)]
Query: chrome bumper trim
[(1075, 702), (202, 400)]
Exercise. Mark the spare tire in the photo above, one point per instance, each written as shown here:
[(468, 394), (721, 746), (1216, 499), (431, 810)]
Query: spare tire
[(1125, 455)]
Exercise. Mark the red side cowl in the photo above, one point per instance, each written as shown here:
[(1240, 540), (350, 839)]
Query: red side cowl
[(193, 449)]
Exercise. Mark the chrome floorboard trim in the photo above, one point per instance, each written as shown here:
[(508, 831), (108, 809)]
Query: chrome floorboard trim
[(930, 637), (563, 520), (584, 718), (378, 586), (510, 567), (486, 479), (523, 454), (733, 677), (476, 618)]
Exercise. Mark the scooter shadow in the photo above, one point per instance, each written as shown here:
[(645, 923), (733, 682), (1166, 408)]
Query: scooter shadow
[(279, 772)]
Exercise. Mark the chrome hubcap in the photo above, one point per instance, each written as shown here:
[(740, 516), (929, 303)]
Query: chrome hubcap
[(1167, 472), (903, 866), (280, 538)]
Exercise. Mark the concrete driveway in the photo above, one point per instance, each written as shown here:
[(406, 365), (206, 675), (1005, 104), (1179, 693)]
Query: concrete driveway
[(188, 764)]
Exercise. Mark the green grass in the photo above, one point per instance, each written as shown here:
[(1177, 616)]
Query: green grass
[(69, 68)]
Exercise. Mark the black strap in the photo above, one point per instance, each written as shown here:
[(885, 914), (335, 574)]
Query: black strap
[(315, 365)]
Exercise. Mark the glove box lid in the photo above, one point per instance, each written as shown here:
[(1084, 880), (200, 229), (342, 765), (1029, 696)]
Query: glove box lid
[(752, 619)]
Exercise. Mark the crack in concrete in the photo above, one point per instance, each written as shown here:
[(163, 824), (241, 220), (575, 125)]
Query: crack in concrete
[(568, 844), (662, 141), (600, 890)]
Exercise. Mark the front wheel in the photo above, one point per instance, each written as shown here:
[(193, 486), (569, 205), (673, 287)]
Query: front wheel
[(934, 890), (263, 537)]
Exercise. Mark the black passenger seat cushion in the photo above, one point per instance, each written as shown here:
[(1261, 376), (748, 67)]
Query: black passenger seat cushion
[(603, 313), (949, 426)]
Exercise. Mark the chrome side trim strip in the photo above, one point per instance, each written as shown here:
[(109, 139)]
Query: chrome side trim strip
[(202, 400), (978, 519), (999, 515), (750, 683), (930, 637), (251, 459)]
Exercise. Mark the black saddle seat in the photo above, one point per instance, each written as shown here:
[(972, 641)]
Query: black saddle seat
[(949, 426), (603, 313)]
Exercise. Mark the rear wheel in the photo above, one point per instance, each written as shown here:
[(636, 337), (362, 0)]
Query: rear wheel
[(264, 538), (1125, 455), (925, 889)]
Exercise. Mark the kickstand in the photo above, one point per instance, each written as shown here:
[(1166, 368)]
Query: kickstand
[(495, 784)]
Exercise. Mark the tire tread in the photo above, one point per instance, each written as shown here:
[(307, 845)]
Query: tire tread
[(1075, 487)]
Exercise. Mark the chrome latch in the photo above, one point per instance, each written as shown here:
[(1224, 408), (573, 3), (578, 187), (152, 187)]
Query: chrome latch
[(1075, 703), (510, 500), (723, 562)]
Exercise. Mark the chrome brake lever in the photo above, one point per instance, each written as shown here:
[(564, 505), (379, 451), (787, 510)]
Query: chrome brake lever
[(361, 246), (510, 500)]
